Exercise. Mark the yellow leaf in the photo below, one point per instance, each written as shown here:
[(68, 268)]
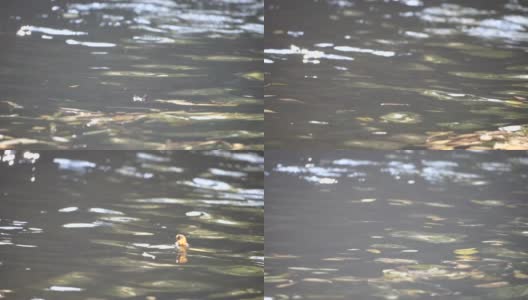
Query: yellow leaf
[(520, 275), (254, 76), (467, 251)]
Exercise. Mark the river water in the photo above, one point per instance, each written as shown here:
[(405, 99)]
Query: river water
[(102, 225), (390, 74), (132, 74), (396, 225)]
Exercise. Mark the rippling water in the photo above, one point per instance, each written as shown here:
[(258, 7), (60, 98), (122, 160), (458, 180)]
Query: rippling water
[(396, 225), (131, 74), (390, 74), (102, 225)]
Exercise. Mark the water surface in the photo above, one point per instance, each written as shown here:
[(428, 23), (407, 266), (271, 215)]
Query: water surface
[(131, 74), (102, 225), (393, 74), (396, 225)]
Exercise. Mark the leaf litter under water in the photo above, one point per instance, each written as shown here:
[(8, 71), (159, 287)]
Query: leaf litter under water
[(513, 137), (112, 126)]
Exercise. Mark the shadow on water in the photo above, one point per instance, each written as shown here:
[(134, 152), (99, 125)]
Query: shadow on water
[(392, 74), (398, 225), (102, 225), (88, 74)]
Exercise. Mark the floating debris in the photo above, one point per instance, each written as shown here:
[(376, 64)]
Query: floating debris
[(387, 246), (10, 105), (435, 238), (409, 251), (81, 225), (367, 200), (28, 29), (136, 98), (398, 261), (363, 50), (402, 118), (65, 288), (105, 211), (146, 254), (492, 285), (89, 44), (489, 202), (68, 209), (200, 214), (309, 56), (317, 280)]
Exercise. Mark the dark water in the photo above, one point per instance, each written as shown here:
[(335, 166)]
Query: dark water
[(396, 225), (101, 225), (131, 74), (387, 74)]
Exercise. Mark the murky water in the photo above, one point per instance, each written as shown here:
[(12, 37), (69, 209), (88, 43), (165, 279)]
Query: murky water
[(131, 74), (391, 74), (102, 225), (396, 225)]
